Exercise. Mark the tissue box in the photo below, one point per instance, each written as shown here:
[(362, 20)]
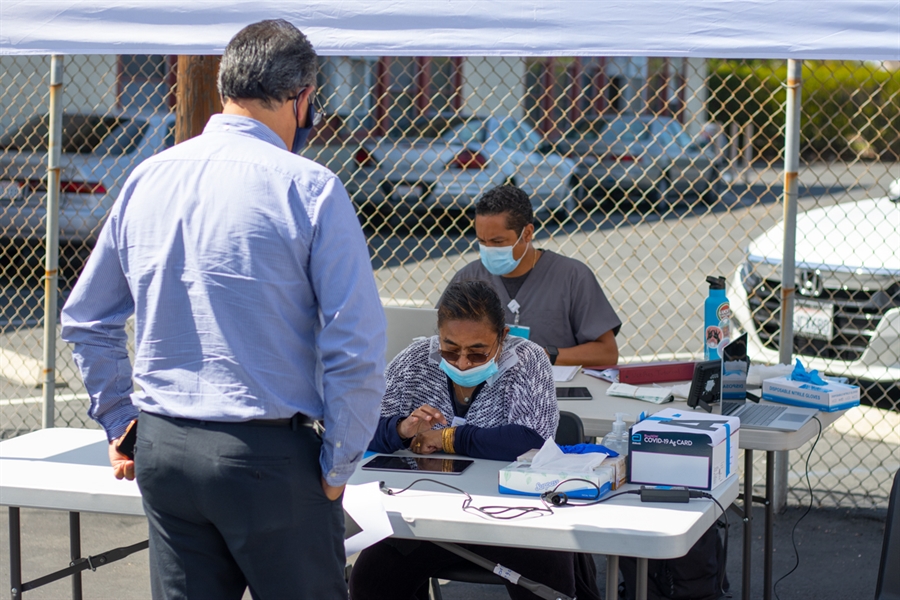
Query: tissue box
[(618, 467), (684, 448), (828, 398), (521, 479)]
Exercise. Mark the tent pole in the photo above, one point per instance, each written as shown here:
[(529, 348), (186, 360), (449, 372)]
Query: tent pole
[(51, 258), (788, 274)]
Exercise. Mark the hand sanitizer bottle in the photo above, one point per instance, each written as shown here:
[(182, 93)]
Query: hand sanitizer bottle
[(617, 439), (716, 319)]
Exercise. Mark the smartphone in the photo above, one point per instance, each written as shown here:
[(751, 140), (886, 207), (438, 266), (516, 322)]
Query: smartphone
[(126, 444), (573, 393)]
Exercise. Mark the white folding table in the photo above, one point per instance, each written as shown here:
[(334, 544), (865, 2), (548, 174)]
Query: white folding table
[(622, 527), (67, 469), (598, 415)]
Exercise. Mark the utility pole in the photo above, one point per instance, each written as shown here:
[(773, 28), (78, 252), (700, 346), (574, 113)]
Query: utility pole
[(196, 96)]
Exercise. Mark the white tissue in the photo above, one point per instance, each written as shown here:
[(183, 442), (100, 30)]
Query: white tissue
[(758, 373), (551, 458)]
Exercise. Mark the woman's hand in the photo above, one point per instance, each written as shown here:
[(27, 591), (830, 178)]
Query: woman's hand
[(428, 442), (423, 418)]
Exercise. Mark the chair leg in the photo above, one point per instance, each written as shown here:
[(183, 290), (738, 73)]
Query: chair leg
[(436, 589)]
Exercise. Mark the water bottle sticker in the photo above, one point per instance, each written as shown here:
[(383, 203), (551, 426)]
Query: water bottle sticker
[(723, 312), (713, 336)]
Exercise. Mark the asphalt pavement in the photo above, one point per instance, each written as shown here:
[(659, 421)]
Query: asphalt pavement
[(839, 552)]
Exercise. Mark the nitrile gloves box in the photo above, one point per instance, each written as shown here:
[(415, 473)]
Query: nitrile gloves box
[(522, 479), (829, 397), (684, 448)]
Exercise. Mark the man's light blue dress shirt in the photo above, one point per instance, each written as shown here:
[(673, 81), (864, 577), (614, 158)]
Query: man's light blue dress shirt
[(252, 290)]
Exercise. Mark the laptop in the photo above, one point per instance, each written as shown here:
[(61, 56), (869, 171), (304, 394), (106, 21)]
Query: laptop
[(733, 386)]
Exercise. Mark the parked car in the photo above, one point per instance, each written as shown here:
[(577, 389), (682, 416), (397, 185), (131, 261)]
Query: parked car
[(847, 306), (448, 161), (641, 156), (98, 153)]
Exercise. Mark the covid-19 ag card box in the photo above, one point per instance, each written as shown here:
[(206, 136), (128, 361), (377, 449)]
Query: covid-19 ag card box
[(684, 448), (830, 397)]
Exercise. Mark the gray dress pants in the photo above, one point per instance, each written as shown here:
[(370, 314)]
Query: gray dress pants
[(237, 505)]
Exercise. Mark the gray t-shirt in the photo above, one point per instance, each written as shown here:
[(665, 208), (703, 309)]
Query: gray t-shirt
[(560, 300)]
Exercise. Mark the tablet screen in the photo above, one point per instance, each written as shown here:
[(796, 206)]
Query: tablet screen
[(448, 466), (573, 393)]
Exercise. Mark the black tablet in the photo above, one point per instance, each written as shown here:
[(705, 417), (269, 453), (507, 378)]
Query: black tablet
[(573, 393), (419, 464)]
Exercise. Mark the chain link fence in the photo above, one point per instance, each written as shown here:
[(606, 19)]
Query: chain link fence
[(655, 172)]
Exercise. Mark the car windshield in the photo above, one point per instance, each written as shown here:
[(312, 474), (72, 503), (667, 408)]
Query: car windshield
[(82, 134), (627, 130), (465, 133), (516, 137), (675, 129)]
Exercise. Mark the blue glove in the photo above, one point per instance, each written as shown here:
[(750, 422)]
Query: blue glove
[(586, 448), (801, 374)]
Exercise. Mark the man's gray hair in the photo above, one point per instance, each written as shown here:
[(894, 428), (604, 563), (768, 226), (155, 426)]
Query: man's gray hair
[(267, 61)]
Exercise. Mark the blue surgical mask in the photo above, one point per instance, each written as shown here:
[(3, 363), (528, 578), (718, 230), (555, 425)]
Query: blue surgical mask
[(472, 377), (499, 261), (313, 116)]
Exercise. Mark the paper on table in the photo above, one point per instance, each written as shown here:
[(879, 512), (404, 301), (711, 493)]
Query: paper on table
[(648, 394), (564, 373), (610, 375), (363, 504), (550, 457)]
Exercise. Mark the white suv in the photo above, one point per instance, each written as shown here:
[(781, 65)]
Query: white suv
[(847, 306)]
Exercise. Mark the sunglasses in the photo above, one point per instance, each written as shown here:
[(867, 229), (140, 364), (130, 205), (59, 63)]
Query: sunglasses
[(476, 358)]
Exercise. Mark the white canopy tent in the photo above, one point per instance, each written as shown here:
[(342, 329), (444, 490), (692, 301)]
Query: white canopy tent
[(785, 29)]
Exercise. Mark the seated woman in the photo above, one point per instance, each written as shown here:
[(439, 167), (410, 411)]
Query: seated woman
[(470, 390)]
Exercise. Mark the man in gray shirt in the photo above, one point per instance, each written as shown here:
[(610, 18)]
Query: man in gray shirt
[(553, 300)]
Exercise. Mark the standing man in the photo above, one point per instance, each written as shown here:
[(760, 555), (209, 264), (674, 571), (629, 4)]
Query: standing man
[(553, 300), (256, 312)]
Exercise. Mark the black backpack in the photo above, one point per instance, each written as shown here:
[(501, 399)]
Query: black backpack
[(698, 575)]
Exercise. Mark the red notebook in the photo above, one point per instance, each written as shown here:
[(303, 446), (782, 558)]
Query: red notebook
[(658, 372)]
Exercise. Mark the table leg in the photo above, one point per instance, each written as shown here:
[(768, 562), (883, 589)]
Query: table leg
[(748, 523), (641, 583), (15, 554), (770, 526), (612, 577), (75, 551)]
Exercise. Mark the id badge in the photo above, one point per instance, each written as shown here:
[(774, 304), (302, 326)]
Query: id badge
[(457, 422), (521, 331)]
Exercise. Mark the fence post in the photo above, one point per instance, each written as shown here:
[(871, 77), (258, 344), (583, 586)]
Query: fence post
[(788, 276), (51, 259)]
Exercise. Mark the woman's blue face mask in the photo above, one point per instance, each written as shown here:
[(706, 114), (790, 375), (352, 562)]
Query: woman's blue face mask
[(474, 376), (500, 261)]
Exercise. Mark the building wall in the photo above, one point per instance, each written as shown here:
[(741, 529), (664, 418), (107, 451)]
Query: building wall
[(89, 84), (494, 86)]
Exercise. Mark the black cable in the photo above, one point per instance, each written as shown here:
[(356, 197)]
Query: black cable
[(494, 512), (560, 499), (808, 509), (556, 498), (698, 494)]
